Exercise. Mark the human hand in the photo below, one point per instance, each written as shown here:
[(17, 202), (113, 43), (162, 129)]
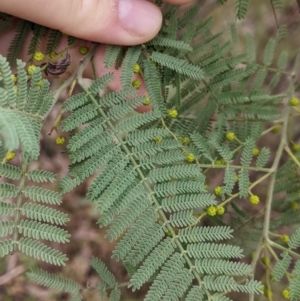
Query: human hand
[(119, 22)]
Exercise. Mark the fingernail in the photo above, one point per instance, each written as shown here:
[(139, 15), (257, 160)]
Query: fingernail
[(139, 17)]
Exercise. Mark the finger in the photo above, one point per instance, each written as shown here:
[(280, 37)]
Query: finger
[(179, 2), (119, 22)]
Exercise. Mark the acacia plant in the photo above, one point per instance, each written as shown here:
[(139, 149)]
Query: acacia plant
[(150, 173)]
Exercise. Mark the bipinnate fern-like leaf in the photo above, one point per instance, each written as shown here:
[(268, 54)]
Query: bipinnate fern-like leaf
[(10, 172), (219, 266), (40, 176), (40, 251), (224, 283), (38, 194), (8, 190), (6, 228), (22, 110), (7, 208), (43, 213), (294, 241), (6, 247), (178, 65), (281, 266), (53, 281), (38, 231), (103, 272), (201, 234), (241, 8), (146, 170)]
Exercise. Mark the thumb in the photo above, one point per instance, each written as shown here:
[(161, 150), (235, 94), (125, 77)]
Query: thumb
[(119, 22)]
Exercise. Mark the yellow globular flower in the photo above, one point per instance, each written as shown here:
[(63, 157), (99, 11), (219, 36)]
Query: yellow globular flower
[(230, 136), (220, 210), (211, 211), (294, 102), (276, 129), (255, 151), (173, 113), (39, 84), (10, 155), (83, 50), (14, 78), (286, 294), (218, 162), (294, 206), (236, 178), (254, 199), (296, 147), (136, 68), (38, 56), (52, 55), (190, 158), (268, 293), (158, 139), (266, 261), (136, 84), (60, 140), (147, 101), (218, 190), (186, 140), (223, 162), (284, 238), (31, 68)]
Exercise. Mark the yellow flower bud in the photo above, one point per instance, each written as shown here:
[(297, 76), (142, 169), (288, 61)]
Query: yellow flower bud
[(294, 206), (294, 102), (38, 56), (254, 199), (186, 140), (190, 158), (14, 78), (284, 238), (136, 68), (220, 210), (136, 84), (146, 101), (218, 190), (60, 140), (83, 50), (286, 294), (10, 155), (230, 136), (31, 68), (255, 151), (211, 211), (52, 55), (173, 113), (296, 147)]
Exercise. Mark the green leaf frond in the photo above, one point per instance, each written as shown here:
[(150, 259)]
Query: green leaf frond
[(147, 171), (40, 251), (219, 266), (281, 266), (10, 171), (103, 272), (22, 109), (53, 281)]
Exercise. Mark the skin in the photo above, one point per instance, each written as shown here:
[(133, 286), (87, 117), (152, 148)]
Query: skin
[(119, 22)]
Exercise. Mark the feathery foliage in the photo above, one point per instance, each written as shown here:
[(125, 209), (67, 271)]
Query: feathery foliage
[(149, 172)]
